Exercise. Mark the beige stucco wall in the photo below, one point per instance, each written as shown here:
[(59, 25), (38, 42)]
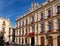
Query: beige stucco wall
[(53, 6), (7, 26)]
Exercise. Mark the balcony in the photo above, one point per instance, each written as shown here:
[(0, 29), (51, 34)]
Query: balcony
[(32, 22), (25, 34), (41, 32), (31, 34), (49, 30), (58, 12), (58, 29), (26, 24), (41, 19), (22, 25), (49, 16)]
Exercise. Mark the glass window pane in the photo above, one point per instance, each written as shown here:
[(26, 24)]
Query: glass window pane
[(49, 12), (41, 15), (58, 8), (58, 23), (32, 18), (42, 27), (50, 25)]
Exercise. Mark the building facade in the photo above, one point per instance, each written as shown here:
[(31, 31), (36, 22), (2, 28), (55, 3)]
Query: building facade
[(6, 29), (40, 26), (13, 34)]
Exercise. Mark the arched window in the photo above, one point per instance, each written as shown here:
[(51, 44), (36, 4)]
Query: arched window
[(42, 41), (58, 9)]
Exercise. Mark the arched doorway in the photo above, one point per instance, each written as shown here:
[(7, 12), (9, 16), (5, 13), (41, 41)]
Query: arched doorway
[(50, 40), (42, 41), (58, 40), (32, 41)]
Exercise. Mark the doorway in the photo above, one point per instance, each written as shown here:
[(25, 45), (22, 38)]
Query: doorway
[(42, 41), (50, 40), (32, 41)]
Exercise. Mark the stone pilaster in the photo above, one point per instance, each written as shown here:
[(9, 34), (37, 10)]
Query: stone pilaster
[(35, 28), (55, 25), (46, 26), (55, 43)]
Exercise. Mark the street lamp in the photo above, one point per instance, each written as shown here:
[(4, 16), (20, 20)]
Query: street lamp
[(47, 36)]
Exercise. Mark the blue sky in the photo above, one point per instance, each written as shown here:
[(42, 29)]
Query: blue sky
[(13, 8)]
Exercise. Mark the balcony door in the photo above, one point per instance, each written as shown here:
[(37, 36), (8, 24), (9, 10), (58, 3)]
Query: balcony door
[(32, 41), (50, 40)]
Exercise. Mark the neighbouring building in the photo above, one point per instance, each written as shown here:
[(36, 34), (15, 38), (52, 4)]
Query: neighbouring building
[(13, 34), (6, 28), (40, 26)]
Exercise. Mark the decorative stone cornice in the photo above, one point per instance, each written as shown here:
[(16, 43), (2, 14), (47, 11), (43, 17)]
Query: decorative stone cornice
[(43, 4)]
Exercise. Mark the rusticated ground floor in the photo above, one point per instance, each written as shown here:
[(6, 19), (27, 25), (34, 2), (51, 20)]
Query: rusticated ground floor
[(53, 39)]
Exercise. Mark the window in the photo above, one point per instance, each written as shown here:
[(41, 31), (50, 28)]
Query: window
[(3, 22), (22, 40), (50, 25), (29, 29), (26, 21), (19, 40), (49, 13), (32, 18), (17, 24), (9, 30), (26, 31), (37, 28), (42, 16), (58, 9), (16, 39), (17, 31), (3, 29), (33, 28), (22, 31), (59, 24), (20, 23), (42, 27)]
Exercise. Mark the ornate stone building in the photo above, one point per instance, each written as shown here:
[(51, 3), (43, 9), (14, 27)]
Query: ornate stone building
[(40, 26), (6, 29)]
